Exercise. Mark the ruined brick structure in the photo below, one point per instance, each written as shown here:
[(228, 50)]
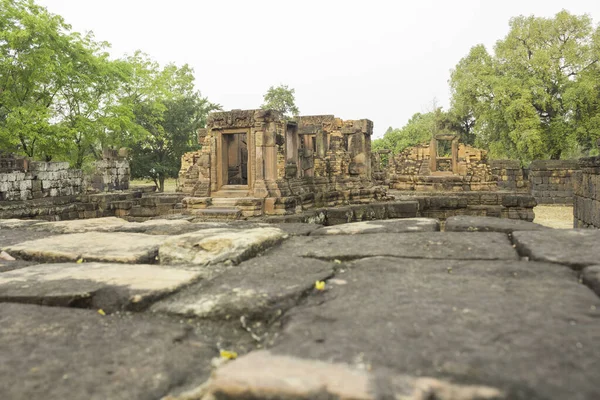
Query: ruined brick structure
[(551, 181), (586, 210), (433, 167), (510, 175), (256, 160), (112, 172), (36, 180)]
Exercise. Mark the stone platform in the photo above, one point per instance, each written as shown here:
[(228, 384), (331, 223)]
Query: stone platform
[(489, 308)]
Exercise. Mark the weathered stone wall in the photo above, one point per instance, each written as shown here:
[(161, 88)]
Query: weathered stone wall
[(111, 173), (436, 205), (293, 165), (468, 171), (42, 179), (510, 175), (491, 204), (586, 188), (551, 181), (12, 163)]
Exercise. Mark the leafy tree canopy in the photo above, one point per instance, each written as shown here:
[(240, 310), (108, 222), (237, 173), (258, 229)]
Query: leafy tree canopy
[(281, 98), (168, 111), (56, 86), (62, 97), (419, 130), (537, 95)]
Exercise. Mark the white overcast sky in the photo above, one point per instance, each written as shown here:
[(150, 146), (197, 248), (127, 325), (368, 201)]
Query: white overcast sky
[(381, 60)]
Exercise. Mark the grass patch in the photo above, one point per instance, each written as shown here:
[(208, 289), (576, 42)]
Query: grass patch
[(170, 184)]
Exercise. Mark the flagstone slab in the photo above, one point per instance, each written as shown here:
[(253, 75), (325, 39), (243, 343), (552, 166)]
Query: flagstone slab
[(269, 376), (104, 286), (591, 277), (430, 245), (576, 248), (528, 328), (219, 245), (18, 223), (467, 223), (56, 353), (259, 288), (119, 247), (107, 224), (381, 226)]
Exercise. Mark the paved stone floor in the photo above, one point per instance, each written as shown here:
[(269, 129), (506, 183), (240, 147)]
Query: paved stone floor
[(396, 309)]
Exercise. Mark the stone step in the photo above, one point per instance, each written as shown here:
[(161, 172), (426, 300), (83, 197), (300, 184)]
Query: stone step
[(249, 206), (231, 191), (217, 213)]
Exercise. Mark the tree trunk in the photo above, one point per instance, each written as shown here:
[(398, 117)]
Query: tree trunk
[(161, 183)]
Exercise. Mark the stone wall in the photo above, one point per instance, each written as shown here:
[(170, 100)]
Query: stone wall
[(41, 179), (466, 170), (510, 175), (111, 173), (586, 187), (293, 165), (486, 204), (436, 205), (551, 181)]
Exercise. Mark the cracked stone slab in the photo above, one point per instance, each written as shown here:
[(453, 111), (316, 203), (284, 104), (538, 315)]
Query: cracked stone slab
[(13, 236), (258, 288), (467, 223), (106, 224), (18, 223), (158, 227), (529, 329), (55, 353), (268, 376), (118, 247), (591, 277), (219, 245), (402, 225), (109, 287), (297, 228), (432, 245), (576, 248)]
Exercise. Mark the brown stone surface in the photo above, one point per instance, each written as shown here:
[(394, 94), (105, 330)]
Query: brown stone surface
[(93, 285), (262, 375), (116, 247)]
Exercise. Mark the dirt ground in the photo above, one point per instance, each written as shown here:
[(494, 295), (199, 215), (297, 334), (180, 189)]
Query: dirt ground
[(554, 216)]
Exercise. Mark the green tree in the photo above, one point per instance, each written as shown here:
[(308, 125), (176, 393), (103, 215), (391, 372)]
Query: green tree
[(35, 50), (535, 96), (418, 130), (281, 98), (58, 89), (168, 112)]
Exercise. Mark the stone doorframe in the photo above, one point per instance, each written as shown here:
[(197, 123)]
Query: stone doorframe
[(433, 157), (218, 165)]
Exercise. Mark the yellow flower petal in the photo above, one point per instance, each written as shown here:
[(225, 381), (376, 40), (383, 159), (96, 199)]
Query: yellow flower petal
[(101, 312), (320, 285), (79, 261), (230, 355)]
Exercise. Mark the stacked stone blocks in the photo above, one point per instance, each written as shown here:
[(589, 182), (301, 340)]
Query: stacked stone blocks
[(552, 180), (42, 179), (586, 210)]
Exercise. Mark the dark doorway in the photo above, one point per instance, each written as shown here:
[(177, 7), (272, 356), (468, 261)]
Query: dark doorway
[(236, 150)]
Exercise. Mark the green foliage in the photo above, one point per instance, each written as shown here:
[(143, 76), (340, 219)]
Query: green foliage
[(168, 112), (58, 89), (538, 95), (62, 97), (281, 98), (419, 130)]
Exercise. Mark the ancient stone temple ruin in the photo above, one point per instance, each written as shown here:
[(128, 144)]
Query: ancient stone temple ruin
[(442, 165), (257, 160)]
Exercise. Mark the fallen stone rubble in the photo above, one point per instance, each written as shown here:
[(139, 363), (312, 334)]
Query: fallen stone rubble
[(171, 309)]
